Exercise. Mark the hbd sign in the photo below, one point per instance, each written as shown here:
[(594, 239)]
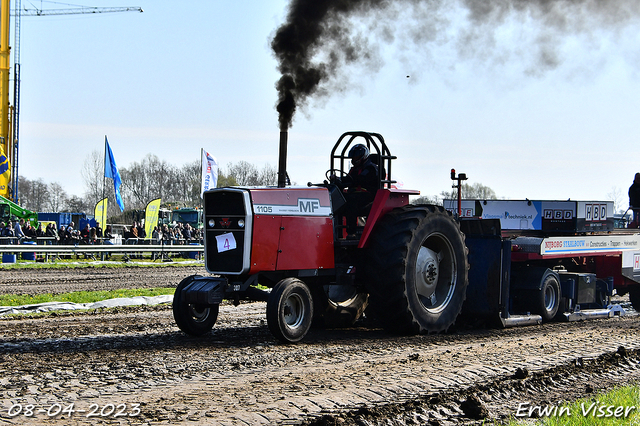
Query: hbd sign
[(557, 214), (595, 212)]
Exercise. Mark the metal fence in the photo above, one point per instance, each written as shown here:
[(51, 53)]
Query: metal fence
[(43, 249)]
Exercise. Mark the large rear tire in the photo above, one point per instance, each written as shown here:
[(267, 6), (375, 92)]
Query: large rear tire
[(417, 270), (193, 319), (290, 310)]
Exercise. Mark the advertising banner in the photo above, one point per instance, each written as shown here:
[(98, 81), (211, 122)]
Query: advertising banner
[(209, 172), (151, 217), (100, 212), (551, 216)]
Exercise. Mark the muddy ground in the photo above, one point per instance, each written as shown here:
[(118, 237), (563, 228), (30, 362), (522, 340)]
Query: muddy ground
[(133, 365)]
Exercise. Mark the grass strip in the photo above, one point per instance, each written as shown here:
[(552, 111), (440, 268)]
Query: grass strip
[(81, 296), (619, 406), (115, 262)]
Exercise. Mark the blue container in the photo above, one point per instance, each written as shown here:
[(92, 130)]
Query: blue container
[(194, 254), (59, 218), (8, 258), (29, 255)]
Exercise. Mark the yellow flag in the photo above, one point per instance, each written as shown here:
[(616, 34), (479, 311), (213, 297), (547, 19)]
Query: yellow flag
[(100, 212), (151, 217), (5, 173)]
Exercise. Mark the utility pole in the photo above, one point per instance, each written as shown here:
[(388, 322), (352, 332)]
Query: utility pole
[(16, 104)]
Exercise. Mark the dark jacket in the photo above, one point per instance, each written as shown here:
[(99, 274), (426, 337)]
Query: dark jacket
[(363, 178), (634, 195)]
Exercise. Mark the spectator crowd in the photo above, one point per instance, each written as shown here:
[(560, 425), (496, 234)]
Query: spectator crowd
[(17, 232)]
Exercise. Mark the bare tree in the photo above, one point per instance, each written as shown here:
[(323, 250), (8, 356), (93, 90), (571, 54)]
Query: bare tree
[(154, 178), (225, 180), (92, 173), (97, 186), (35, 194), (247, 174), (57, 197), (428, 199), (615, 195), (188, 183), (76, 204), (142, 182), (475, 191), (268, 175), (24, 189)]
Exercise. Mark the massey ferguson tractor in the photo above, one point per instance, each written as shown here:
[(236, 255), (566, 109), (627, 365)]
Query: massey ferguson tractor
[(287, 246), (415, 268)]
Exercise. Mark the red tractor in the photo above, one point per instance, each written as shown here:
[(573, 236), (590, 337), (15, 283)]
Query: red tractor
[(407, 267)]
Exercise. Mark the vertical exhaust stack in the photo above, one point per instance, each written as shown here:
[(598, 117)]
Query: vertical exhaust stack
[(282, 159)]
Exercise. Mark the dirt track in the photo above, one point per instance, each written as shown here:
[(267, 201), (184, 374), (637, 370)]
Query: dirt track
[(137, 360), (36, 281)]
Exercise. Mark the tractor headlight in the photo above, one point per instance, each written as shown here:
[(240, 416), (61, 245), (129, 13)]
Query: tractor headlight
[(241, 223), (212, 223)]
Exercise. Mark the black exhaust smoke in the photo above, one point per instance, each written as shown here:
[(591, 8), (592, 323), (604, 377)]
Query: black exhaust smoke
[(310, 24), (321, 37)]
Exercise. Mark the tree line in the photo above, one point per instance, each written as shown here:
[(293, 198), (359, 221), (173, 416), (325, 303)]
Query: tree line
[(469, 191), (142, 182)]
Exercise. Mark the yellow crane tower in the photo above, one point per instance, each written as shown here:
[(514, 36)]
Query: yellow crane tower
[(5, 54), (10, 115)]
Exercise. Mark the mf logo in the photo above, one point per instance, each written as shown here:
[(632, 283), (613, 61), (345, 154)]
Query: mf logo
[(636, 262), (308, 205)]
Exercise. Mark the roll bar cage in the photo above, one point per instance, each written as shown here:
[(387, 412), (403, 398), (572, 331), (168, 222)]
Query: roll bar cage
[(379, 154)]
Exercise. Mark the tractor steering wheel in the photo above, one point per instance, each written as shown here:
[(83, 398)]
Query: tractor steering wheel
[(332, 172)]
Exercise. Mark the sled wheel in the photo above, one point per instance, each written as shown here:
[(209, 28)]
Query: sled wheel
[(193, 319), (634, 297), (290, 310), (547, 300)]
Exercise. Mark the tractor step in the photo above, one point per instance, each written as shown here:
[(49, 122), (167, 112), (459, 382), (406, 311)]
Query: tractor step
[(347, 243), (520, 320)]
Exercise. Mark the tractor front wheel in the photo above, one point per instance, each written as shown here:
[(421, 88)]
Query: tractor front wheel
[(289, 310), (193, 319)]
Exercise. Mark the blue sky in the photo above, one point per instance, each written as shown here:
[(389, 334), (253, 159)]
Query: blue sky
[(184, 76)]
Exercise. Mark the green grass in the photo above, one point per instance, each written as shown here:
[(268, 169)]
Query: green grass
[(620, 406), (81, 296)]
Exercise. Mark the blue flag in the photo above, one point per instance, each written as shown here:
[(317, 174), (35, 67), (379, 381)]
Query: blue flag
[(111, 171)]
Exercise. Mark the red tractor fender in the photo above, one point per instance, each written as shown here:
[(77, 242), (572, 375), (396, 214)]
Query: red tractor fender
[(385, 201)]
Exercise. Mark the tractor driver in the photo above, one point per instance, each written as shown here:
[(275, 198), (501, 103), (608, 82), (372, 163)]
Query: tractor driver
[(361, 182)]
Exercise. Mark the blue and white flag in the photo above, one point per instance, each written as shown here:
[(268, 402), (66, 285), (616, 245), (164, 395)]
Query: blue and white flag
[(111, 171), (209, 172)]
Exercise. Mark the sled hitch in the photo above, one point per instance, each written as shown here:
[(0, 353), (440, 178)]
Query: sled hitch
[(205, 291)]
